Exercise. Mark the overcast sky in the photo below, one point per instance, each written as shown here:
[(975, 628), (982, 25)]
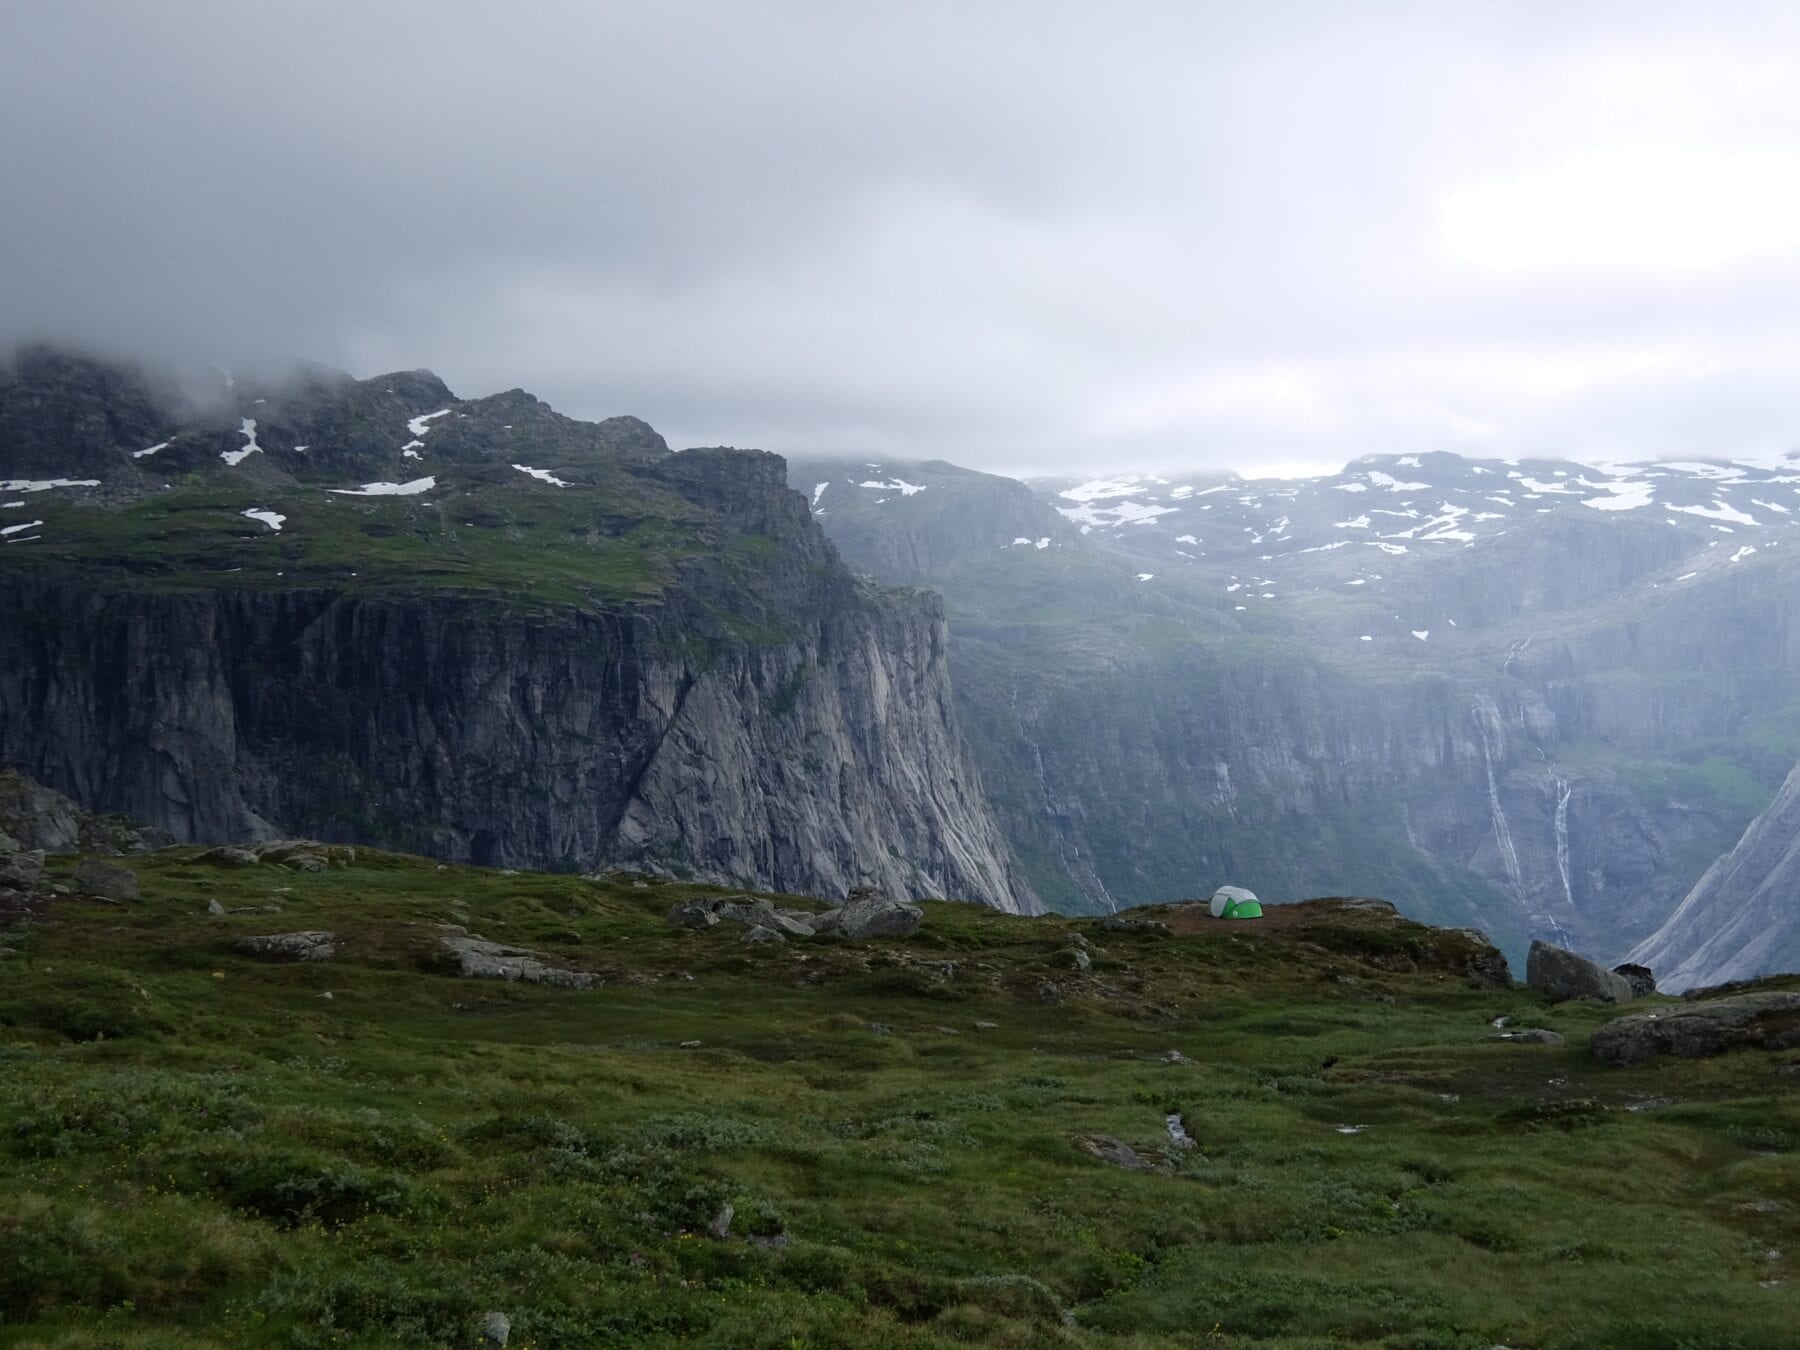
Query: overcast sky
[(1023, 236)]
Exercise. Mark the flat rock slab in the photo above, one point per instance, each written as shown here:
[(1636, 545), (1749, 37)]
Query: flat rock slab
[(1768, 1021), (303, 946), (479, 958), (1121, 1154)]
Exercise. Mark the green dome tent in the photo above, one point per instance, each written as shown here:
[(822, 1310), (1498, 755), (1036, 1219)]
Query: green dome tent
[(1234, 902)]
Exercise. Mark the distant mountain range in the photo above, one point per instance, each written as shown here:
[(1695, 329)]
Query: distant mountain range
[(1538, 697)]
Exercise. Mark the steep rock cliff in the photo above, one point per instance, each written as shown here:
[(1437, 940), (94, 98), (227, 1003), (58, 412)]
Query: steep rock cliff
[(1742, 919), (532, 641)]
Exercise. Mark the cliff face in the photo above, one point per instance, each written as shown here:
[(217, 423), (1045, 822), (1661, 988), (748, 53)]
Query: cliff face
[(555, 645), (809, 765), (1742, 919)]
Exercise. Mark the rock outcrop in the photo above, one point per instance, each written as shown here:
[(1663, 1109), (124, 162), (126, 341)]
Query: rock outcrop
[(311, 945), (1766, 1019), (870, 914), (480, 959), (34, 817)]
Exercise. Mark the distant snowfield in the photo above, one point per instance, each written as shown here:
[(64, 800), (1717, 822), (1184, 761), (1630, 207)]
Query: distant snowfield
[(249, 447), (45, 484), (412, 489), (1717, 511), (1625, 496), (273, 519), (542, 475)]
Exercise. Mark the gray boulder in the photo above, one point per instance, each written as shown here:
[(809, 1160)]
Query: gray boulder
[(872, 915), (105, 881), (1640, 978), (1768, 1020), (696, 914), (1561, 974), (479, 958), (303, 946), (22, 871), (758, 935), (745, 910)]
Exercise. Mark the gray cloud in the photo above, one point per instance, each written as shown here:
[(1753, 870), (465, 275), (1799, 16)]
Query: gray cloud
[(1021, 235)]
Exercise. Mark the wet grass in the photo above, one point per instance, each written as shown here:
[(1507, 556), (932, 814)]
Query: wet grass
[(200, 1149)]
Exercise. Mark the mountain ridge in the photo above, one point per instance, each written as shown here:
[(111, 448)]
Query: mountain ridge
[(1609, 692), (480, 629)]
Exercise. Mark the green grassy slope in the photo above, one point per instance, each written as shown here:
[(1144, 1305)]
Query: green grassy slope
[(200, 1149), (489, 533)]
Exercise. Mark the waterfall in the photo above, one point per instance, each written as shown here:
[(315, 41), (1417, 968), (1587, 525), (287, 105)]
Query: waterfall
[(1563, 792), (1487, 722)]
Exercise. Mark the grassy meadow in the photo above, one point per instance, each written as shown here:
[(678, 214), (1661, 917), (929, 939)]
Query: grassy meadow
[(201, 1149)]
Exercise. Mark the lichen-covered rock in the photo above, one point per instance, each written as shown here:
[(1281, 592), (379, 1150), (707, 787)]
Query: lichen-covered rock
[(1562, 975), (696, 914), (312, 945), (873, 915), (105, 881), (1769, 1019), (1121, 1154), (479, 958)]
